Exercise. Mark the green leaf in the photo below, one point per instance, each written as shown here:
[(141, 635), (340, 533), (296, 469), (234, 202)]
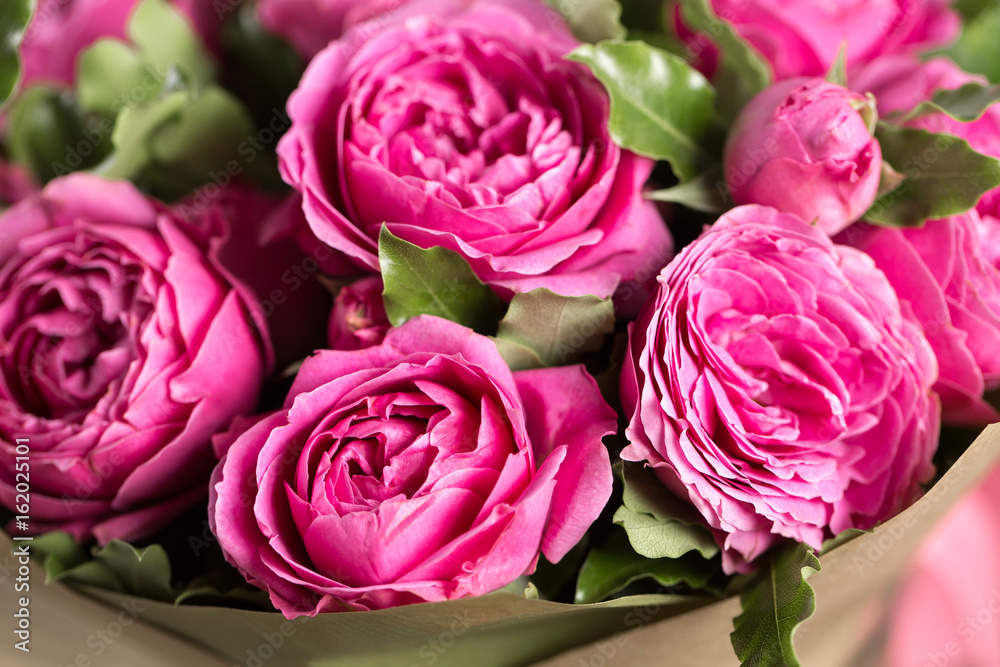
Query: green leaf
[(58, 553), (970, 9), (436, 281), (14, 18), (517, 356), (660, 106), (965, 104), (108, 72), (742, 72), (838, 70), (944, 176), (842, 539), (658, 524), (166, 39), (705, 192), (592, 20), (774, 603), (616, 565), (557, 328), (143, 572), (978, 49)]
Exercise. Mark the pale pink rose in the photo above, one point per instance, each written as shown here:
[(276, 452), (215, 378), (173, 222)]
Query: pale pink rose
[(125, 344), (803, 146), (774, 382), (804, 38), (461, 124), (418, 470)]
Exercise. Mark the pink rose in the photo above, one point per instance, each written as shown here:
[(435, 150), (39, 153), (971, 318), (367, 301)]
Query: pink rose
[(804, 38), (465, 127), (61, 30), (15, 183), (774, 382), (124, 346), (941, 273), (421, 469), (312, 24), (804, 147), (358, 319)]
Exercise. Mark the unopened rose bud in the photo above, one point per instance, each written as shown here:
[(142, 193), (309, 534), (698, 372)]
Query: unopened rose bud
[(805, 146)]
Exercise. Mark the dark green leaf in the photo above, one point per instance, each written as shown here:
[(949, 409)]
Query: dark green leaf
[(14, 17), (978, 49), (774, 603), (706, 193), (436, 281), (658, 524), (742, 72), (592, 20), (944, 176), (660, 106), (557, 328), (615, 565), (965, 104)]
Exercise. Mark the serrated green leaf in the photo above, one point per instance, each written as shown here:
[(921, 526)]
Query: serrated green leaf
[(742, 71), (660, 106), (705, 192), (965, 104), (107, 73), (616, 565), (557, 328), (944, 176), (435, 281), (658, 524), (143, 572), (978, 49), (14, 18), (775, 602), (167, 40), (58, 553), (592, 20)]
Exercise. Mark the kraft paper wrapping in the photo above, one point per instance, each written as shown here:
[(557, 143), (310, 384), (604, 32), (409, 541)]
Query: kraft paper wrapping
[(853, 591)]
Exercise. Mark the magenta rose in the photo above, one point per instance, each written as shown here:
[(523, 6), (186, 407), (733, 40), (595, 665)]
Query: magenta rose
[(418, 470), (804, 38), (309, 25), (805, 146), (61, 30), (358, 319), (774, 382), (124, 346), (943, 274), (460, 124)]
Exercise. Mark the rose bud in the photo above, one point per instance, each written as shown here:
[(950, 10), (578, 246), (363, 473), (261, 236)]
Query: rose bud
[(358, 319), (421, 469), (775, 382), (805, 146)]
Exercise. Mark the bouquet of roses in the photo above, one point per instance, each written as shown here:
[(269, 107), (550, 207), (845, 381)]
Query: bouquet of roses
[(541, 312)]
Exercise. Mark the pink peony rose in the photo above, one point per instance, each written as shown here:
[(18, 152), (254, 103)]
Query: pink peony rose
[(949, 271), (804, 38), (464, 127), (941, 273), (774, 382), (804, 147), (309, 25), (61, 30), (421, 469), (124, 346), (358, 319)]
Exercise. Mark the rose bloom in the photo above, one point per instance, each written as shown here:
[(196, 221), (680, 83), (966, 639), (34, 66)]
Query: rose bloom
[(61, 30), (774, 382), (358, 318), (804, 38), (125, 344), (948, 271), (420, 469), (461, 125), (804, 147), (309, 25)]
